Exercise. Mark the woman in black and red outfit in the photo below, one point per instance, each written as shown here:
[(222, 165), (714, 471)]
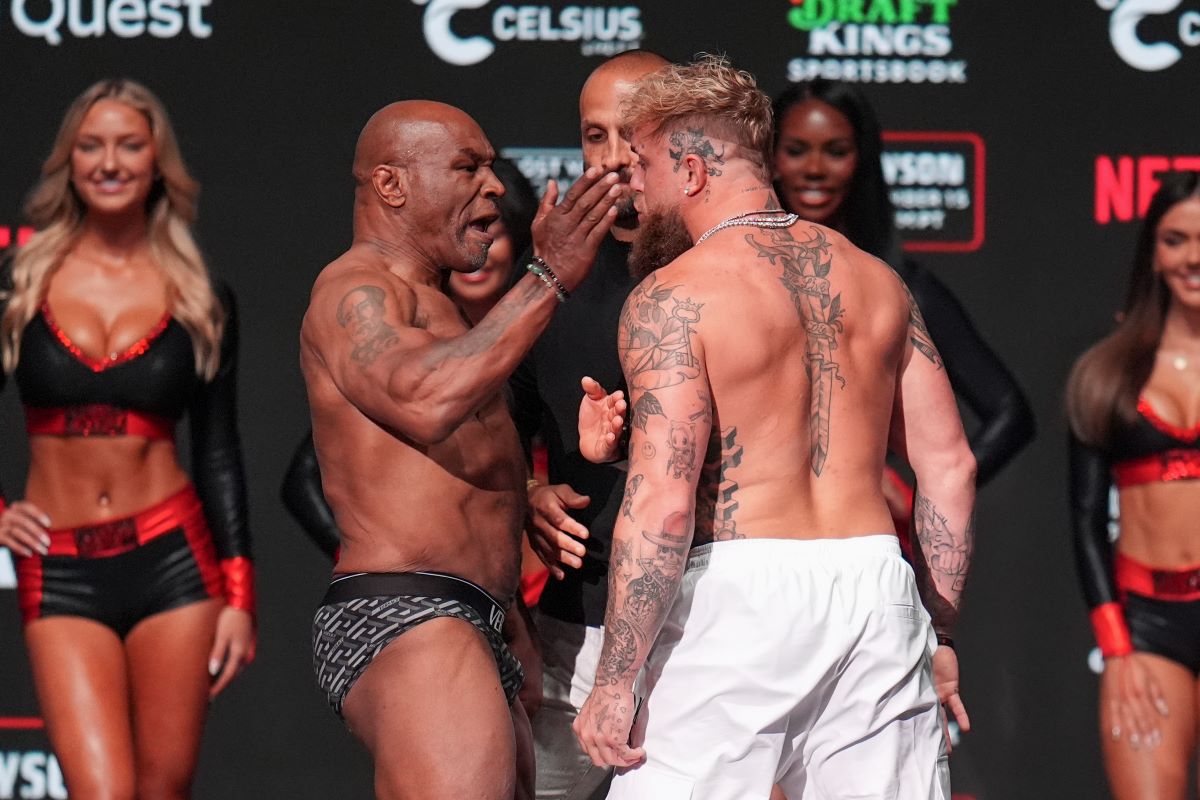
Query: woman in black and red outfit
[(1134, 406), (135, 586)]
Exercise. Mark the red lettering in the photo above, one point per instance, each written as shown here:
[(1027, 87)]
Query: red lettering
[(1114, 189), (1186, 164), (5, 238), (1149, 168)]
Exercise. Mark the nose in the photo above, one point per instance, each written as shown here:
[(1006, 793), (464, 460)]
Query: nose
[(492, 187), (1193, 252), (618, 154), (814, 164), (109, 161)]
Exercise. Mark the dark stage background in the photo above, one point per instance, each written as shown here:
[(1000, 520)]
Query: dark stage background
[(1065, 119)]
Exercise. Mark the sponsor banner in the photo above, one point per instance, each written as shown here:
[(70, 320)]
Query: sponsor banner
[(540, 164), (936, 184), (875, 41), (1126, 183), (56, 21), (28, 770), (8, 575), (1151, 35), (466, 32)]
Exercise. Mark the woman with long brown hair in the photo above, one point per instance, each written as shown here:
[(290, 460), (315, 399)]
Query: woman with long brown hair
[(1134, 405), (135, 586)]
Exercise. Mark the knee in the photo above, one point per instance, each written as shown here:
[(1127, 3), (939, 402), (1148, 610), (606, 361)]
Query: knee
[(101, 790)]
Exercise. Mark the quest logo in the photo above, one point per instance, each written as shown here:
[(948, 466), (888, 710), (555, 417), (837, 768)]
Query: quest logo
[(876, 41), (1128, 17), (599, 30), (163, 19)]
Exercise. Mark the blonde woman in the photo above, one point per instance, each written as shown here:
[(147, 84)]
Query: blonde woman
[(135, 586)]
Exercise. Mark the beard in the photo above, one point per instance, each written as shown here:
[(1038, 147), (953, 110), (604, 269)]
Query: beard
[(662, 237)]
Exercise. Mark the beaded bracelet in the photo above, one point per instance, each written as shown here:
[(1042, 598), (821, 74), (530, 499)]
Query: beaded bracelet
[(541, 262), (536, 270)]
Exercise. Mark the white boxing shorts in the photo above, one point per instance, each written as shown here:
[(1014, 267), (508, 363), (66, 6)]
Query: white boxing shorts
[(799, 662)]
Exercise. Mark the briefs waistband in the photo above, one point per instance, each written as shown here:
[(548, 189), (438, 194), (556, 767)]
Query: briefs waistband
[(357, 585)]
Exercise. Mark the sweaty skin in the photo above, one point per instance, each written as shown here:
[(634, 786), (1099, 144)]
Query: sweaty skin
[(419, 458)]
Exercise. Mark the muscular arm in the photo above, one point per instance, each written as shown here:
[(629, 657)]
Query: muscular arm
[(927, 431), (977, 375), (305, 501), (365, 328), (664, 368)]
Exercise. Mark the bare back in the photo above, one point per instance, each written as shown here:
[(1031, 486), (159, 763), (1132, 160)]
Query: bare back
[(802, 338), (452, 503)]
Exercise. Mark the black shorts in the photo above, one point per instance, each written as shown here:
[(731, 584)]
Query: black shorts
[(364, 612), (1169, 628), (121, 571)]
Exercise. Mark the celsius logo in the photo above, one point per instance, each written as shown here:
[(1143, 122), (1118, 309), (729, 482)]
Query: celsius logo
[(876, 41), (128, 19), (601, 30), (1149, 57)]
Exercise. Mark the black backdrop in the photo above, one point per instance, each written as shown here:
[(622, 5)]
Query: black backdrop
[(268, 96)]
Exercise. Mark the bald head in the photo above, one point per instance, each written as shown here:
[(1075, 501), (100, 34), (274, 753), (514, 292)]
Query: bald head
[(399, 132), (600, 123)]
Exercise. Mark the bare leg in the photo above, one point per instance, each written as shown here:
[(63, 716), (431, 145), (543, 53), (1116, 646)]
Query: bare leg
[(523, 734), (168, 675), (82, 687), (432, 713), (1159, 772)]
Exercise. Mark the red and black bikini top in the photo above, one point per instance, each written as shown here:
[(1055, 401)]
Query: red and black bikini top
[(142, 391), (1154, 450)]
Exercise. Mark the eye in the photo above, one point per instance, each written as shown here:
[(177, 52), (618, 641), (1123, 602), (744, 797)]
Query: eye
[(596, 137), (134, 147), (1171, 239), (796, 150), (87, 147)]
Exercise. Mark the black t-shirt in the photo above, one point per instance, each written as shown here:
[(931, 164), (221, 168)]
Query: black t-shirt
[(580, 340)]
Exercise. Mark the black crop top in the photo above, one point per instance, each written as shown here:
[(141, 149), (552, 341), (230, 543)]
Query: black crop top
[(157, 376), (1149, 450)]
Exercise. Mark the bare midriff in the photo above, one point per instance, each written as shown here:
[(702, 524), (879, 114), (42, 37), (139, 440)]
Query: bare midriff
[(1158, 523), (79, 481)]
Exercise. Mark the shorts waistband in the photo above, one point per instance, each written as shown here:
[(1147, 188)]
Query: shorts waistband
[(116, 536), (358, 585), (759, 551), (1182, 583)]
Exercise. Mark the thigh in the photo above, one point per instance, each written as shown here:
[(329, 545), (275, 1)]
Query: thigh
[(431, 711), (1159, 772), (168, 673), (82, 686)]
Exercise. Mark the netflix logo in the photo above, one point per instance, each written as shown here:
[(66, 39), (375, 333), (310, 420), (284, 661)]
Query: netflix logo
[(1125, 184)]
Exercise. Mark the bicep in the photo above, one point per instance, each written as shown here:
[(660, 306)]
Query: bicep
[(926, 423), (363, 334)]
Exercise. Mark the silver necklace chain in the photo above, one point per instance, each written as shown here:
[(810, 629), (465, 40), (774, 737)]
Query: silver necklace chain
[(757, 219)]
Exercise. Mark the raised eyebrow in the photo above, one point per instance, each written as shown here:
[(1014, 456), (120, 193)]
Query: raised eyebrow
[(476, 156)]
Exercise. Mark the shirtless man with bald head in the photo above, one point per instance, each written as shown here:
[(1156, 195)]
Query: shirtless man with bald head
[(419, 458), (755, 572)]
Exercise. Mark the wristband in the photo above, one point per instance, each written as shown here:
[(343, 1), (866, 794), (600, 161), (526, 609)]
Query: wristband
[(945, 641), (1112, 634), (238, 574), (540, 268)]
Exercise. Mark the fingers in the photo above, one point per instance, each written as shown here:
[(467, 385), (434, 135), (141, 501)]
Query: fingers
[(23, 529), (955, 704), (592, 388), (549, 198), (546, 553), (576, 197), (592, 207)]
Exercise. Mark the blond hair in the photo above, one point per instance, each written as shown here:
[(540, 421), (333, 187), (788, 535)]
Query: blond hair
[(56, 212), (707, 94)]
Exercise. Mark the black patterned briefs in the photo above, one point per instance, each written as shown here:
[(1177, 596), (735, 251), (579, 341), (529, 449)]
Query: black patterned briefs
[(364, 612)]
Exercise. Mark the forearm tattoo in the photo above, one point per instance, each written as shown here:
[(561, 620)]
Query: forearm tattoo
[(693, 142), (716, 494), (806, 267), (642, 587), (631, 488), (944, 561), (360, 312)]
